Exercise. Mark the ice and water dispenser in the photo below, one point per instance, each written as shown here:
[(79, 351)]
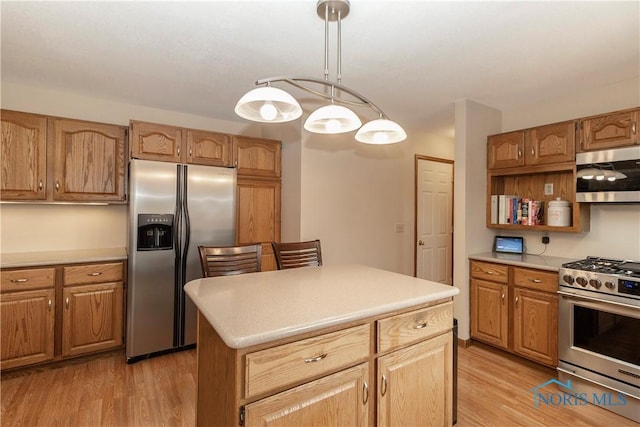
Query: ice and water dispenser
[(155, 232)]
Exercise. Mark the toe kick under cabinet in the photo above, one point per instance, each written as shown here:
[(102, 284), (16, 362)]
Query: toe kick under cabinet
[(515, 309), (394, 369), (55, 312)]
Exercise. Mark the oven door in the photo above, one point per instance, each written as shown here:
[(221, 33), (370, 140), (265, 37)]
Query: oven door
[(602, 337)]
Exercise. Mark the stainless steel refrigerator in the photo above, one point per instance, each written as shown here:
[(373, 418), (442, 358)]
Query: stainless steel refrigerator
[(173, 208)]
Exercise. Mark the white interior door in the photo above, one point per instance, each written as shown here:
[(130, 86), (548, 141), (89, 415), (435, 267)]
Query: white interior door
[(434, 220)]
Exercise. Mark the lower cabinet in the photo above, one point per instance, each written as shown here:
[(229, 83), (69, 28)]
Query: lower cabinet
[(340, 399), (414, 385), (27, 327), (326, 379), (88, 317), (516, 309)]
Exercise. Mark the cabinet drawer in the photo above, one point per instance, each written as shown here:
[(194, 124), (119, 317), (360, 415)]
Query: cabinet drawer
[(414, 326), (489, 271), (291, 363), (535, 279), (20, 280), (93, 273)]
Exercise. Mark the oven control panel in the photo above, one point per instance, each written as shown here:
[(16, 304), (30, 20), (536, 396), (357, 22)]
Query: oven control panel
[(629, 287)]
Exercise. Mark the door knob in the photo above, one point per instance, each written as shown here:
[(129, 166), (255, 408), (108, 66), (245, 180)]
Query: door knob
[(420, 242)]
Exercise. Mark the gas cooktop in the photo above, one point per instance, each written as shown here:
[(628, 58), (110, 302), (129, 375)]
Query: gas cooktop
[(606, 266)]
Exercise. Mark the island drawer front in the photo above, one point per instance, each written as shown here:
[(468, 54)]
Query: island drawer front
[(535, 279), (20, 280), (93, 273), (294, 362), (414, 326), (488, 271)]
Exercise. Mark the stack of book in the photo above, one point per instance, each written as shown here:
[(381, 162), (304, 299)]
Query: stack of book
[(509, 209)]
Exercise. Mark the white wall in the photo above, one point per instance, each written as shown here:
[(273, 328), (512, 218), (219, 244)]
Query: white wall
[(473, 123)]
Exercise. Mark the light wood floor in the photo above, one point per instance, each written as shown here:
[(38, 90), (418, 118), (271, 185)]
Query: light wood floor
[(494, 389)]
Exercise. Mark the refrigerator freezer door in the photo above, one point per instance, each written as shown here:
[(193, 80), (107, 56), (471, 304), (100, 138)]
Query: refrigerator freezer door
[(151, 284), (211, 207)]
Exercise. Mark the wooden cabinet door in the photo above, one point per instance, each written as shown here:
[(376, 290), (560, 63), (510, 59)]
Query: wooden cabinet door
[(340, 399), (152, 141), (209, 148), (27, 327), (257, 211), (24, 156), (257, 157), (92, 318), (610, 131), (555, 143), (489, 312), (89, 162), (505, 150), (415, 384), (535, 326)]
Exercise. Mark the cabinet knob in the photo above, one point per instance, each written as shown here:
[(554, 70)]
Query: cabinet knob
[(315, 359), (420, 325), (634, 127), (49, 305), (365, 393), (57, 185), (40, 185), (420, 242), (383, 386), (66, 303), (178, 151), (517, 298), (536, 280), (97, 273), (502, 297), (533, 151), (190, 152), (19, 280), (519, 153)]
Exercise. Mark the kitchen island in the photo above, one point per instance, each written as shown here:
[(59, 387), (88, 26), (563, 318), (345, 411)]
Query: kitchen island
[(331, 345)]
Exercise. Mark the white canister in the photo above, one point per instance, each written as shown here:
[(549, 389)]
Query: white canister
[(559, 213)]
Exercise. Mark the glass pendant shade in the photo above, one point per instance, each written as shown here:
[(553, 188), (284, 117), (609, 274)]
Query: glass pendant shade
[(332, 119), (381, 131), (268, 105)]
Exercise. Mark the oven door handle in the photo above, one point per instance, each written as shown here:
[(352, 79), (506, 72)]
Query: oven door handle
[(582, 297)]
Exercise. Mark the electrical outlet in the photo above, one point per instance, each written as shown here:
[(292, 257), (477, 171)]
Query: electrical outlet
[(399, 228), (548, 189), (545, 239)]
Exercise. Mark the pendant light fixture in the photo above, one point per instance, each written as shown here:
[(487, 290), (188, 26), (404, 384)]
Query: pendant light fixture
[(267, 104)]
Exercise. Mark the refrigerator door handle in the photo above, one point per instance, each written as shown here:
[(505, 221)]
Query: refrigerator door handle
[(187, 224), (177, 314), (180, 295)]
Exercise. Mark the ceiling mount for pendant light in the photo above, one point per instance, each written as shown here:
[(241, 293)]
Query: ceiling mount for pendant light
[(267, 104)]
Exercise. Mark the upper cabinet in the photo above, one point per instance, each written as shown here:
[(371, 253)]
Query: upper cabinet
[(89, 161), (542, 145), (86, 160), (257, 157), (619, 129), (152, 141), (24, 156)]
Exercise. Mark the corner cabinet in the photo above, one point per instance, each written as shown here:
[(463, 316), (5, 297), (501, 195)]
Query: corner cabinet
[(55, 159), (525, 163), (343, 376), (515, 309)]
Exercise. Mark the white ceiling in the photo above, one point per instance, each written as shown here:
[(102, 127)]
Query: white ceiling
[(411, 58)]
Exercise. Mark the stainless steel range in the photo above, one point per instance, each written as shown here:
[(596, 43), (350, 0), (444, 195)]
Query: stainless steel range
[(599, 332)]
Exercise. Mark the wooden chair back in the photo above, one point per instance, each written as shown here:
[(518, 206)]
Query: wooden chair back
[(297, 254), (230, 260)]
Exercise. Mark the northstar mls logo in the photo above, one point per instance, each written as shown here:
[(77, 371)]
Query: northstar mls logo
[(567, 396)]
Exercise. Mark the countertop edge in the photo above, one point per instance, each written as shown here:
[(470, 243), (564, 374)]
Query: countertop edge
[(249, 341), (43, 258), (539, 262)]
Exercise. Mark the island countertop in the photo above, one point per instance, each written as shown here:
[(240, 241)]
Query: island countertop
[(256, 308)]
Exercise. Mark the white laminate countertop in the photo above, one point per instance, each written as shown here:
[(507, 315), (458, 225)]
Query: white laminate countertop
[(256, 308), (34, 259), (540, 262)]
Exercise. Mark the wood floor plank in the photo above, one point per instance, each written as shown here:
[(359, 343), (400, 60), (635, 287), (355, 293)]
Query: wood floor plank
[(494, 390)]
